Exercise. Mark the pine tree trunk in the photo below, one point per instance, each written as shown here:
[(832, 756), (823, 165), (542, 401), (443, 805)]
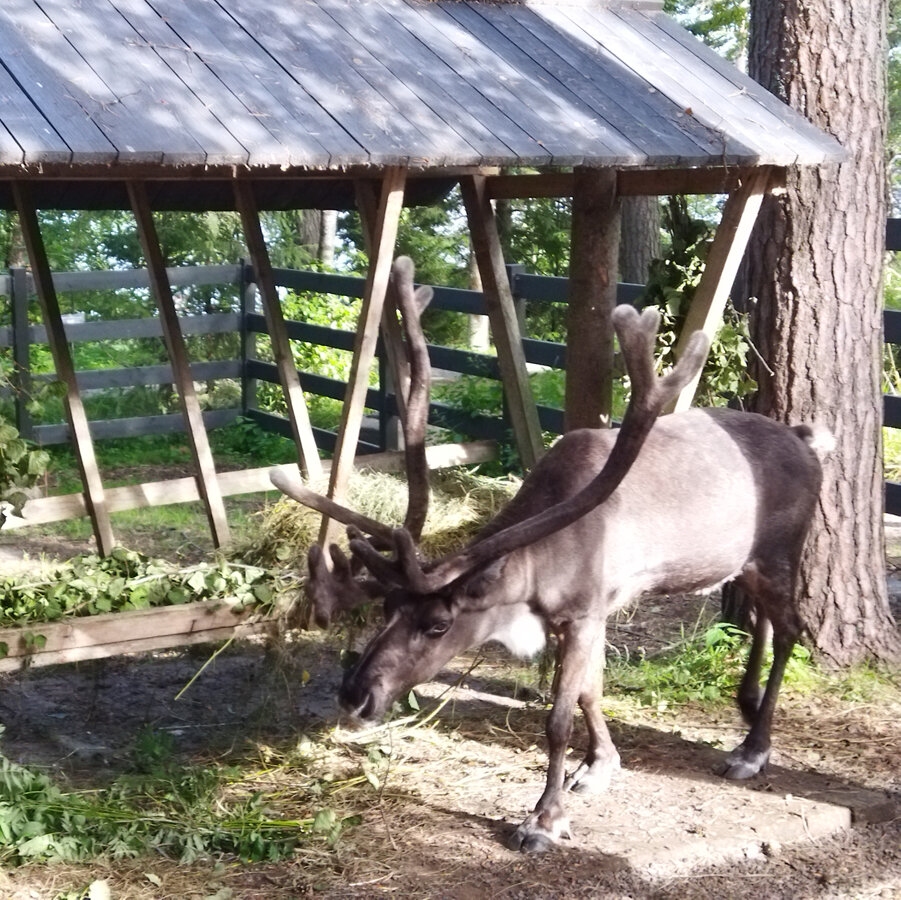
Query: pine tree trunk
[(639, 241), (815, 266)]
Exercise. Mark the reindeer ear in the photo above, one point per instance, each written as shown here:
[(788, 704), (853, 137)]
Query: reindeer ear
[(476, 589)]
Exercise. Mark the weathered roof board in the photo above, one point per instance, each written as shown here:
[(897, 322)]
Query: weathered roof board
[(105, 88)]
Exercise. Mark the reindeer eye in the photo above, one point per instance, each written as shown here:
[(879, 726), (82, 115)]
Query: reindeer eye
[(436, 629)]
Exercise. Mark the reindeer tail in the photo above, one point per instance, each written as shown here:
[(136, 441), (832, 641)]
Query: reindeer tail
[(819, 438)]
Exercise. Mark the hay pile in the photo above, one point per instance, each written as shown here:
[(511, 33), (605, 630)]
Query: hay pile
[(461, 504)]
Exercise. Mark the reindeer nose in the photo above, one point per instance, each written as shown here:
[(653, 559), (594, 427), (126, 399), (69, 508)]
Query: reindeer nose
[(355, 698)]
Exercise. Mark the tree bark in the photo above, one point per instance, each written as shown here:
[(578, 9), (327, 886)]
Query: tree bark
[(592, 297), (639, 241), (815, 266)]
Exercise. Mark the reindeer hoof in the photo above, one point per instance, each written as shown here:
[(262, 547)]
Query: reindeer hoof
[(531, 837), (530, 842), (594, 778), (742, 763)]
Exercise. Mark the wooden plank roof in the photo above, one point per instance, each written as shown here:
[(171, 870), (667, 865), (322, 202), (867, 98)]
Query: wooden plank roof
[(215, 88)]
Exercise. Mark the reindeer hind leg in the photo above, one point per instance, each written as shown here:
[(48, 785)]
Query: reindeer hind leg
[(775, 601)]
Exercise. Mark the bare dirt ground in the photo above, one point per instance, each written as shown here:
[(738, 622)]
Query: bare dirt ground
[(822, 822)]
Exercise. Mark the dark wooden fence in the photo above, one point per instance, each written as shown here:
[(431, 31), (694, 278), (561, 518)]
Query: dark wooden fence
[(249, 370)]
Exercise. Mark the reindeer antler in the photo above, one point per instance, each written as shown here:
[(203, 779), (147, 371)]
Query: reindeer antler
[(650, 395), (334, 589)]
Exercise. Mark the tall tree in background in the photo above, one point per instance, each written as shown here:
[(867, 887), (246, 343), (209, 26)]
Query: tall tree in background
[(639, 242), (815, 266)]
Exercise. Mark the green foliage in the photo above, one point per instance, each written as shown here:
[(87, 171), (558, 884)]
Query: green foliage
[(127, 580), (183, 812), (722, 24), (21, 466), (20, 469), (672, 282), (705, 666)]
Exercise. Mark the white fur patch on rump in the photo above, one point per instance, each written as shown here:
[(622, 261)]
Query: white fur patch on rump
[(521, 631)]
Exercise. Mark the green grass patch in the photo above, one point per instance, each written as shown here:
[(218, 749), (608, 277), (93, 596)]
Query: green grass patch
[(704, 666)]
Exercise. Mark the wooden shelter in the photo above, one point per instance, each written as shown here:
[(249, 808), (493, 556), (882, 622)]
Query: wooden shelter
[(238, 104)]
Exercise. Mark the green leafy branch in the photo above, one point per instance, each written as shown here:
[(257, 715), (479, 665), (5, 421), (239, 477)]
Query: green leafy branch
[(127, 580)]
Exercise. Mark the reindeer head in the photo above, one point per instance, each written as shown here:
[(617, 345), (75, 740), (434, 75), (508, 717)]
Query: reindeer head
[(436, 609)]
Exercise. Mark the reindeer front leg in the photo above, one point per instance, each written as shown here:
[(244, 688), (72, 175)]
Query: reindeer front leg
[(601, 759), (548, 822)]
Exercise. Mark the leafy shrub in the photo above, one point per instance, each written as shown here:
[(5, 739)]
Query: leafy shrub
[(88, 585), (672, 282), (183, 812)]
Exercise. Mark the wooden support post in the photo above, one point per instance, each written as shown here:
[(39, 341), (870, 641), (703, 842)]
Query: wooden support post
[(21, 378), (247, 293), (594, 258), (207, 483), (384, 237), (79, 431), (298, 415), (397, 370), (502, 316), (721, 267)]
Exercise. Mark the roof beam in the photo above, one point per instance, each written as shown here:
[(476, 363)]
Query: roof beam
[(629, 182)]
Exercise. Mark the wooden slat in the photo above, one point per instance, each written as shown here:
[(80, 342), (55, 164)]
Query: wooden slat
[(509, 89), (384, 237), (133, 73), (504, 323), (111, 634), (630, 183), (616, 92), (398, 365), (246, 70), (275, 322), (812, 142), (585, 111), (720, 269), (21, 376), (405, 65), (35, 52), (349, 99), (178, 357), (687, 88), (470, 75), (43, 510), (457, 77), (33, 134), (248, 136), (134, 426), (82, 445), (379, 95)]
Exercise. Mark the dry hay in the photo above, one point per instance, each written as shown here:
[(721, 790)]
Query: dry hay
[(460, 505)]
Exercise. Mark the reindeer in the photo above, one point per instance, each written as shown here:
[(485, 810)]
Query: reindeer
[(659, 506)]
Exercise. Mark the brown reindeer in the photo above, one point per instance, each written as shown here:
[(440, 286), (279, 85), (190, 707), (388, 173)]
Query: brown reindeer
[(660, 506)]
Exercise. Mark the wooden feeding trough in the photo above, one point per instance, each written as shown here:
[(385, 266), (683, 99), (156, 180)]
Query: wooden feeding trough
[(80, 638), (124, 104)]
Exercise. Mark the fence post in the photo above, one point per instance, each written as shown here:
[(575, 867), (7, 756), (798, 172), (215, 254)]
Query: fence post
[(21, 380), (248, 299), (514, 270)]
